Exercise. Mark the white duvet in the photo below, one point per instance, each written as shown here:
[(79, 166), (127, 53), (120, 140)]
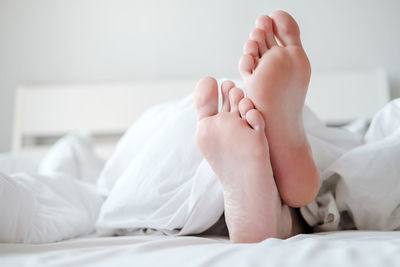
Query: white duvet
[(158, 182), (52, 201)]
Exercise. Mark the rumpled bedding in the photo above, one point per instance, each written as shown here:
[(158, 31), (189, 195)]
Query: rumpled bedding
[(361, 184), (157, 179), (52, 201), (157, 182)]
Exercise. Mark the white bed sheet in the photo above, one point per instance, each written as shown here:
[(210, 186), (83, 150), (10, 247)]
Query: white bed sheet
[(346, 248)]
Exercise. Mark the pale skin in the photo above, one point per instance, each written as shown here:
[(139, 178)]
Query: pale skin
[(257, 145)]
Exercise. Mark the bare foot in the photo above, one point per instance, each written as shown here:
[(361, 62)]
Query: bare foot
[(234, 144), (276, 79)]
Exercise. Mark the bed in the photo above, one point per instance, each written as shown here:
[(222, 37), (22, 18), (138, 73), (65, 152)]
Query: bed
[(45, 112), (353, 248)]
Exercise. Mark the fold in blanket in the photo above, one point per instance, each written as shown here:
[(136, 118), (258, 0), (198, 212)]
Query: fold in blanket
[(52, 201), (166, 184), (158, 182), (157, 179), (42, 209)]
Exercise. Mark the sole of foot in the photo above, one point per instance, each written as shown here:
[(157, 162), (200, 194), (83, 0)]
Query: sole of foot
[(234, 144), (276, 73)]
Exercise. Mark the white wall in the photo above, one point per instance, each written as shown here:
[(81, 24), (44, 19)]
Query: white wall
[(95, 40)]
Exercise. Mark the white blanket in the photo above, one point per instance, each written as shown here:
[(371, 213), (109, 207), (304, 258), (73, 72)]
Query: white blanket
[(52, 202), (158, 180)]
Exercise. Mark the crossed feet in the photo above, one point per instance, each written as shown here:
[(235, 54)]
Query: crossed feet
[(257, 146)]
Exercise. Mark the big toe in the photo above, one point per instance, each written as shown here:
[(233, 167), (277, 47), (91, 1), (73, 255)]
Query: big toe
[(206, 97), (285, 28)]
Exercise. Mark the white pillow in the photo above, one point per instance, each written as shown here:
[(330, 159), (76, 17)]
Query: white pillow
[(11, 164), (73, 155)]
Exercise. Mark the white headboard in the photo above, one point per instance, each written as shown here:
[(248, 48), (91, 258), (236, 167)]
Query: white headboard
[(44, 112), (341, 97)]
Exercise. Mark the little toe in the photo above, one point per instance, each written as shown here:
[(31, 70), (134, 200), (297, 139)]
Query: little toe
[(206, 97), (244, 106), (225, 88), (258, 35), (255, 120), (265, 23), (235, 95), (285, 28)]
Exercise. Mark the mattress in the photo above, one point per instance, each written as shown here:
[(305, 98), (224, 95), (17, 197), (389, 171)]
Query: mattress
[(345, 248)]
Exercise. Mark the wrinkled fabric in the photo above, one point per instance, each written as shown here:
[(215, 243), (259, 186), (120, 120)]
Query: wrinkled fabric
[(73, 155), (364, 181), (53, 201), (42, 209), (157, 179), (167, 185)]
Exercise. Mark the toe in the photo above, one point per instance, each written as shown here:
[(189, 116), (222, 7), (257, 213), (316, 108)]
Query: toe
[(255, 120), (235, 95), (206, 97), (285, 28), (225, 88), (258, 35), (250, 57), (246, 65), (244, 106), (251, 48), (265, 23)]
